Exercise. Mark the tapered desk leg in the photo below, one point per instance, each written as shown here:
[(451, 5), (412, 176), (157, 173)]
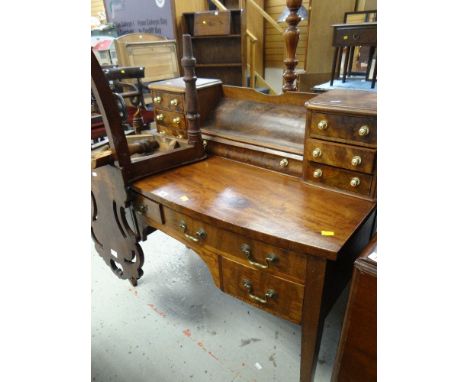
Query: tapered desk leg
[(312, 323), (333, 71)]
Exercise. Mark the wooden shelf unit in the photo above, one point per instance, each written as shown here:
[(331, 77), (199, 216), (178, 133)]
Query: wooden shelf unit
[(220, 56)]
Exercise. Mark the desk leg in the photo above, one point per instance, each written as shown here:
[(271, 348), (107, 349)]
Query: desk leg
[(333, 71), (312, 320), (345, 69), (374, 74)]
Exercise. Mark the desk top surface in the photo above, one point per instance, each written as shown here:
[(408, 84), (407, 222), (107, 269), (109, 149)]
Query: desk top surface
[(262, 204)]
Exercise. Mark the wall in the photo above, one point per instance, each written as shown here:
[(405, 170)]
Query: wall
[(320, 50)]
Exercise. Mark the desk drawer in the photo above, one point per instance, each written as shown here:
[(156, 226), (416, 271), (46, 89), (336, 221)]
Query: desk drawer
[(273, 294), (168, 101), (170, 123), (340, 155), (344, 128), (339, 178), (355, 36), (252, 253), (172, 131)]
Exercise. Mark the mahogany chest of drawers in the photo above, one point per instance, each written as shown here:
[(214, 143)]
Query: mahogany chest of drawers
[(356, 359), (340, 150), (169, 103)]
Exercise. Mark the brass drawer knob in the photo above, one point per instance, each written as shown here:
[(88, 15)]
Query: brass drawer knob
[(323, 124), (141, 209), (176, 120), (271, 258), (200, 234), (162, 132), (356, 161), (284, 163), (269, 294), (318, 173), (355, 182), (179, 136), (174, 102), (317, 153), (364, 130), (160, 117), (157, 99)]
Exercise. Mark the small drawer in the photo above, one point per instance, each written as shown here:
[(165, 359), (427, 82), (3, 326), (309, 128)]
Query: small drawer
[(169, 119), (168, 101), (360, 130), (340, 155), (171, 131), (151, 210), (339, 178), (273, 294), (355, 36), (251, 253)]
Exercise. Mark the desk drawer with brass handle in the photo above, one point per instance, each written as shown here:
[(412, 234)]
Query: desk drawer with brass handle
[(360, 130), (252, 253), (168, 101), (340, 155), (339, 178), (265, 291)]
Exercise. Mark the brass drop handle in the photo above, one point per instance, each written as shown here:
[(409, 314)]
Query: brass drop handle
[(317, 153), (157, 99), (271, 258), (270, 293), (201, 234), (174, 102), (356, 161), (355, 182), (363, 130), (318, 173), (176, 120), (160, 117), (323, 124)]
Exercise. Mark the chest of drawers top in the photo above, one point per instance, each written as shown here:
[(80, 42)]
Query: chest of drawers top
[(358, 102)]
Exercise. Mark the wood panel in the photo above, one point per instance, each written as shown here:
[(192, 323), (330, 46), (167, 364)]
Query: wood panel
[(323, 15), (97, 6), (274, 39)]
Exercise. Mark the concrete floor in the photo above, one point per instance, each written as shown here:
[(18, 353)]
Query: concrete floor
[(176, 326)]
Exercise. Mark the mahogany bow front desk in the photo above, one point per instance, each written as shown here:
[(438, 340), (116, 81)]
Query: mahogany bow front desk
[(270, 234)]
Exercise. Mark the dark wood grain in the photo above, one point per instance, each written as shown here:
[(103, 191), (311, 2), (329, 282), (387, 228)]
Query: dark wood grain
[(340, 155), (245, 115), (337, 177), (259, 204), (287, 302)]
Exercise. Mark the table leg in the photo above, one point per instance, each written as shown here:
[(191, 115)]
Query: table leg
[(374, 75), (369, 60), (312, 322), (335, 59), (351, 59), (346, 64)]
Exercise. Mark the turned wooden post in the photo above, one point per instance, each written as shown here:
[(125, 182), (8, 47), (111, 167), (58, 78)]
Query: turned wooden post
[(191, 96), (291, 38)]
